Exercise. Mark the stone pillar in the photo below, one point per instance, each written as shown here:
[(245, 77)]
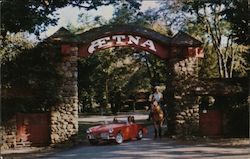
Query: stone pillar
[(64, 116), (181, 100)]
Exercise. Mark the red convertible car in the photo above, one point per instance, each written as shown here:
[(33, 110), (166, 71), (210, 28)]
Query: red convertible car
[(119, 130)]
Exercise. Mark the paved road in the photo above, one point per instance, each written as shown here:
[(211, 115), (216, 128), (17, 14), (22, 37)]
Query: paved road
[(149, 148)]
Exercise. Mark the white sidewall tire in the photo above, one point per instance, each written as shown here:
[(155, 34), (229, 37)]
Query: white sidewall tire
[(119, 138), (140, 134)]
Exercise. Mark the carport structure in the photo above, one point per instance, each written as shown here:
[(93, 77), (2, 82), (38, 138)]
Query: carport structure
[(180, 52)]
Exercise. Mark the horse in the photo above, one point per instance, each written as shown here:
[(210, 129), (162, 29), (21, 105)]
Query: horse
[(157, 117)]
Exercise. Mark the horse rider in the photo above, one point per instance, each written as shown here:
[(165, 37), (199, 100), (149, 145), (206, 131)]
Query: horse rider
[(158, 97)]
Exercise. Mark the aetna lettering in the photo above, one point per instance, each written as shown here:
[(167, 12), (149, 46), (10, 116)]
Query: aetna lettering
[(120, 40)]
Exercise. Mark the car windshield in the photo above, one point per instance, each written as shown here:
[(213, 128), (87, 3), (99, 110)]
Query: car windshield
[(124, 120), (117, 120), (105, 122), (112, 122)]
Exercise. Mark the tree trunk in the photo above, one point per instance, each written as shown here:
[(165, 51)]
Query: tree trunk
[(232, 63), (106, 92), (148, 68)]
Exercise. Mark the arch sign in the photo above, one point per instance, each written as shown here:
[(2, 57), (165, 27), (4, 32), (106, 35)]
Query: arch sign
[(121, 40), (126, 40), (181, 45)]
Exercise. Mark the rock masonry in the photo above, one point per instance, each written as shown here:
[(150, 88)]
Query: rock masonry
[(182, 103), (64, 116)]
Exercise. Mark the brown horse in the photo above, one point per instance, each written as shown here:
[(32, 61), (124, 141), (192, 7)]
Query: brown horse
[(157, 117)]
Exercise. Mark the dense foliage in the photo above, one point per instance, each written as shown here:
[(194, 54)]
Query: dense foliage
[(237, 13), (213, 23), (34, 16), (30, 71)]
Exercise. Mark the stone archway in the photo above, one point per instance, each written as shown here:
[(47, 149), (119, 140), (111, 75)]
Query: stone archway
[(180, 52)]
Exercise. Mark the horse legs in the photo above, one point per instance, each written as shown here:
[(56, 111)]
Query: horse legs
[(159, 131), (160, 128), (155, 133), (155, 129)]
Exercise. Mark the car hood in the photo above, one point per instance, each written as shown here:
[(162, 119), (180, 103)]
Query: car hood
[(104, 127)]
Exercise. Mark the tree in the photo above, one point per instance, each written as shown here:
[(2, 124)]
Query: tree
[(34, 16), (171, 12), (219, 31), (86, 22), (208, 68), (124, 14), (215, 29), (13, 46), (118, 72), (237, 14), (104, 74), (28, 69)]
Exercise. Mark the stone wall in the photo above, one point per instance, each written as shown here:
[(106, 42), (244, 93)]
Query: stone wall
[(187, 121), (182, 102), (8, 134), (64, 123)]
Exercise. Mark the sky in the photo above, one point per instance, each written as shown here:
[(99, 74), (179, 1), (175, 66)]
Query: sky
[(69, 15)]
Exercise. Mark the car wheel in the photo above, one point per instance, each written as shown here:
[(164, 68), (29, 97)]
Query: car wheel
[(140, 135), (119, 138), (93, 142)]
